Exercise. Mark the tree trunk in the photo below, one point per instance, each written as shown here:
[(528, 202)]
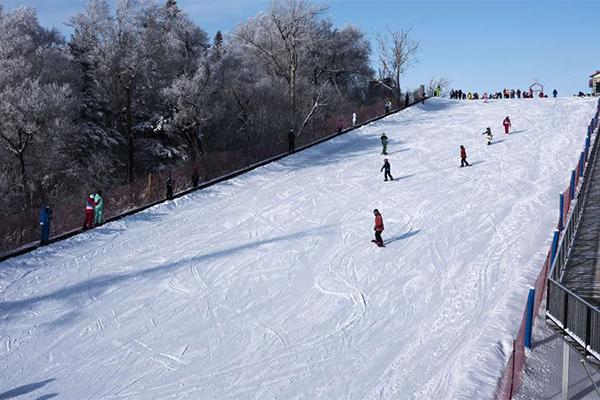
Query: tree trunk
[(398, 93), (129, 135), (293, 67), (24, 181)]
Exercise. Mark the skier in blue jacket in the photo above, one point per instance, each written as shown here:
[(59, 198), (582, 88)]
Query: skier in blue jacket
[(45, 217)]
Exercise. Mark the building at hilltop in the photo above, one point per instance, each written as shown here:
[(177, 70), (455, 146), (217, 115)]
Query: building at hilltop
[(595, 83)]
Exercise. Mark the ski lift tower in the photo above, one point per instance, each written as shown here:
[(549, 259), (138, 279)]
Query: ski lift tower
[(536, 88)]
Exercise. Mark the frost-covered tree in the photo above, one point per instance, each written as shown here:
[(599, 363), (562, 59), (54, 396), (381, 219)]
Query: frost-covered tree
[(280, 37), (127, 59), (33, 97), (189, 99)]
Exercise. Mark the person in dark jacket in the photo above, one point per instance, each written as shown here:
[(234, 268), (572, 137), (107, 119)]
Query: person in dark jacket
[(339, 126), (45, 218), (388, 107), (554, 93), (386, 167), (488, 135), (406, 100), (291, 141), (384, 142), (170, 185), (378, 228), (463, 157), (195, 178)]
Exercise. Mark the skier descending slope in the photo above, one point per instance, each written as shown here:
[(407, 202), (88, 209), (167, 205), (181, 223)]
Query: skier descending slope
[(386, 167), (506, 124), (378, 228), (488, 135), (384, 142), (463, 157)]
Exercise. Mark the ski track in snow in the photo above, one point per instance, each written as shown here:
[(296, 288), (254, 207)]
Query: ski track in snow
[(267, 286)]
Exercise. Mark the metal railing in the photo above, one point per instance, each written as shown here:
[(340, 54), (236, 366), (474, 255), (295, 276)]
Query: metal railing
[(567, 311), (582, 314)]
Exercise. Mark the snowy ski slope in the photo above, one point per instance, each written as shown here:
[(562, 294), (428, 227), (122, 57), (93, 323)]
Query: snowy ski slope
[(268, 286)]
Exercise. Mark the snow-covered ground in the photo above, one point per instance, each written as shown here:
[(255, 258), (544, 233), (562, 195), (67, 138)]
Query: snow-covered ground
[(268, 286)]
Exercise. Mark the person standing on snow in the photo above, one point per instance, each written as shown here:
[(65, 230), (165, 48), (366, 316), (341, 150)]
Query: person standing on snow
[(384, 142), (291, 141), (463, 156), (99, 209), (170, 185), (339, 126), (378, 228), (353, 119), (406, 100), (554, 93), (90, 204), (386, 167), (488, 135), (388, 107), (506, 124), (45, 218), (195, 178)]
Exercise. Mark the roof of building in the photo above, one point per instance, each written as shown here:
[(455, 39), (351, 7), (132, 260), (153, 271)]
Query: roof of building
[(595, 73), (537, 84)]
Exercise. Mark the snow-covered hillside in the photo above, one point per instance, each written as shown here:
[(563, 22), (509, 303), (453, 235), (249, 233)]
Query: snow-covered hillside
[(268, 286)]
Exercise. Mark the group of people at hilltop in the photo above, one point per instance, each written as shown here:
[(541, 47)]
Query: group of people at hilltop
[(504, 94)]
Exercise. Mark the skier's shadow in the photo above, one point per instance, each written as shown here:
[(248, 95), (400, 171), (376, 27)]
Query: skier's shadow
[(497, 141), (402, 177), (519, 131), (476, 162), (402, 236), (398, 151), (25, 389)]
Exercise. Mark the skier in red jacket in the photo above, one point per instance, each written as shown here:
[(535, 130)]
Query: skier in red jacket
[(506, 124), (90, 205), (463, 156), (378, 228)]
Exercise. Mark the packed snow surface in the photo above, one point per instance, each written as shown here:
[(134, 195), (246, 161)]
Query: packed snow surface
[(267, 286)]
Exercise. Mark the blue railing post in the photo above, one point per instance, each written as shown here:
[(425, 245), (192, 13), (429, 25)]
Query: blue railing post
[(554, 248), (587, 147), (529, 321), (581, 163), (561, 210), (572, 187)]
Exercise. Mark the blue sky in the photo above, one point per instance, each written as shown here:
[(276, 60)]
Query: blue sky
[(478, 45)]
